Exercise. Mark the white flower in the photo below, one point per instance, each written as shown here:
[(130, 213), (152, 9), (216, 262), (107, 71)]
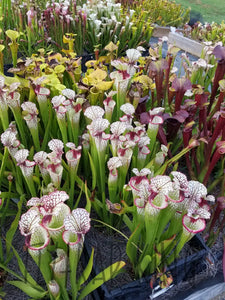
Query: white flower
[(121, 66), (13, 100), (30, 114), (131, 12), (57, 147), (141, 49), (133, 55), (114, 163), (197, 191), (118, 128), (93, 16), (68, 93), (78, 221), (188, 93), (98, 126), (128, 109), (93, 112), (143, 172), (97, 24), (161, 184), (29, 221), (25, 165), (113, 18)]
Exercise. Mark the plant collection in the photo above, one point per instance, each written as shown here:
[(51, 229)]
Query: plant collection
[(122, 138), (208, 32)]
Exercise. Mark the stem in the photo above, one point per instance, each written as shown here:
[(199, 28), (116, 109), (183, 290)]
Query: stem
[(183, 240), (174, 159), (35, 136), (43, 261), (213, 162), (151, 228), (4, 162), (43, 105), (152, 134), (212, 186), (14, 48), (63, 126), (73, 259), (101, 160), (29, 40), (31, 187), (4, 117), (218, 104), (120, 100), (165, 216), (75, 132), (7, 204), (19, 122), (219, 74), (174, 227), (219, 127), (72, 172), (70, 133), (1, 62)]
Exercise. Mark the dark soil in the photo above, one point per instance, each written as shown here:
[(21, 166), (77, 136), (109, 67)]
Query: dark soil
[(112, 248)]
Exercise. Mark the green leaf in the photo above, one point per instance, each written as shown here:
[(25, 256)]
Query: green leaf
[(78, 199), (166, 245), (12, 230), (144, 264), (128, 222), (28, 289), (156, 261), (174, 159), (67, 80), (11, 272), (24, 271), (85, 275), (93, 170), (101, 278), (23, 82), (88, 205), (47, 132), (132, 242), (3, 164)]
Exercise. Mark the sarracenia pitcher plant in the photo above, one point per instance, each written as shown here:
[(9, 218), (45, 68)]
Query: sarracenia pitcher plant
[(54, 237), (167, 212)]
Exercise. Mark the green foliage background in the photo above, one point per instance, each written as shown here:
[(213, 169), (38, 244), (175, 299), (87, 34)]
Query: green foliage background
[(211, 10)]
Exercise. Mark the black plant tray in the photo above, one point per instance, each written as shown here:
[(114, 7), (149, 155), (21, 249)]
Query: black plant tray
[(140, 289)]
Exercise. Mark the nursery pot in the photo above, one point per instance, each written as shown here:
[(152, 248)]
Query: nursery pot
[(140, 289), (84, 59), (6, 68)]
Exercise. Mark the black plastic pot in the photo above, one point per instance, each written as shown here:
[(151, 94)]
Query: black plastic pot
[(84, 59), (6, 68), (140, 289)]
